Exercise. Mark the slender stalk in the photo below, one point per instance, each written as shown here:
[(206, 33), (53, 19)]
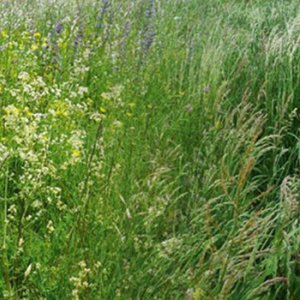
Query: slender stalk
[(4, 261)]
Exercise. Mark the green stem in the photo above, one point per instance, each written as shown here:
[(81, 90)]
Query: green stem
[(4, 260)]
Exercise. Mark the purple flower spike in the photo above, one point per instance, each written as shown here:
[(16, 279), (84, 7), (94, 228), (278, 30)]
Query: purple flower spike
[(59, 28), (151, 9), (78, 40)]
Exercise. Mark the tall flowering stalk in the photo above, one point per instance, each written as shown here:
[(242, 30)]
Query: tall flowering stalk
[(80, 33), (124, 40), (149, 31), (59, 28), (105, 5)]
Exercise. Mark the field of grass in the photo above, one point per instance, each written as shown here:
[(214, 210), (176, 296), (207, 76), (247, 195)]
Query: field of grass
[(149, 149)]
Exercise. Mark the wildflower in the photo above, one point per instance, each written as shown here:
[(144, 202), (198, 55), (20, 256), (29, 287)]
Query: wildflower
[(61, 112), (114, 93), (4, 153), (96, 116), (149, 33), (102, 109), (25, 34), (80, 282), (50, 227), (148, 39), (82, 90), (76, 153), (59, 28), (150, 11), (24, 76), (11, 110), (34, 47), (117, 124), (189, 108), (4, 34), (189, 294), (28, 271), (124, 39), (78, 40), (104, 9), (37, 35), (45, 43)]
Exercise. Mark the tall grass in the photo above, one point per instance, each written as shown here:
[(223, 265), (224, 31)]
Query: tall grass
[(149, 149)]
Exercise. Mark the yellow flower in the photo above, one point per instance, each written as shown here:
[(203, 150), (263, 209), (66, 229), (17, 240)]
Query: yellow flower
[(4, 34), (34, 47), (198, 294), (37, 35), (61, 112), (102, 109), (61, 108), (62, 44), (12, 110), (27, 112), (45, 137), (76, 153)]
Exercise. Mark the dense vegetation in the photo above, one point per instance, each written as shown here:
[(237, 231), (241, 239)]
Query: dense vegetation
[(149, 149)]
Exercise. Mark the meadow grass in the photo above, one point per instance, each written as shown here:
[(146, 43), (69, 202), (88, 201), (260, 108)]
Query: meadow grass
[(149, 149)]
